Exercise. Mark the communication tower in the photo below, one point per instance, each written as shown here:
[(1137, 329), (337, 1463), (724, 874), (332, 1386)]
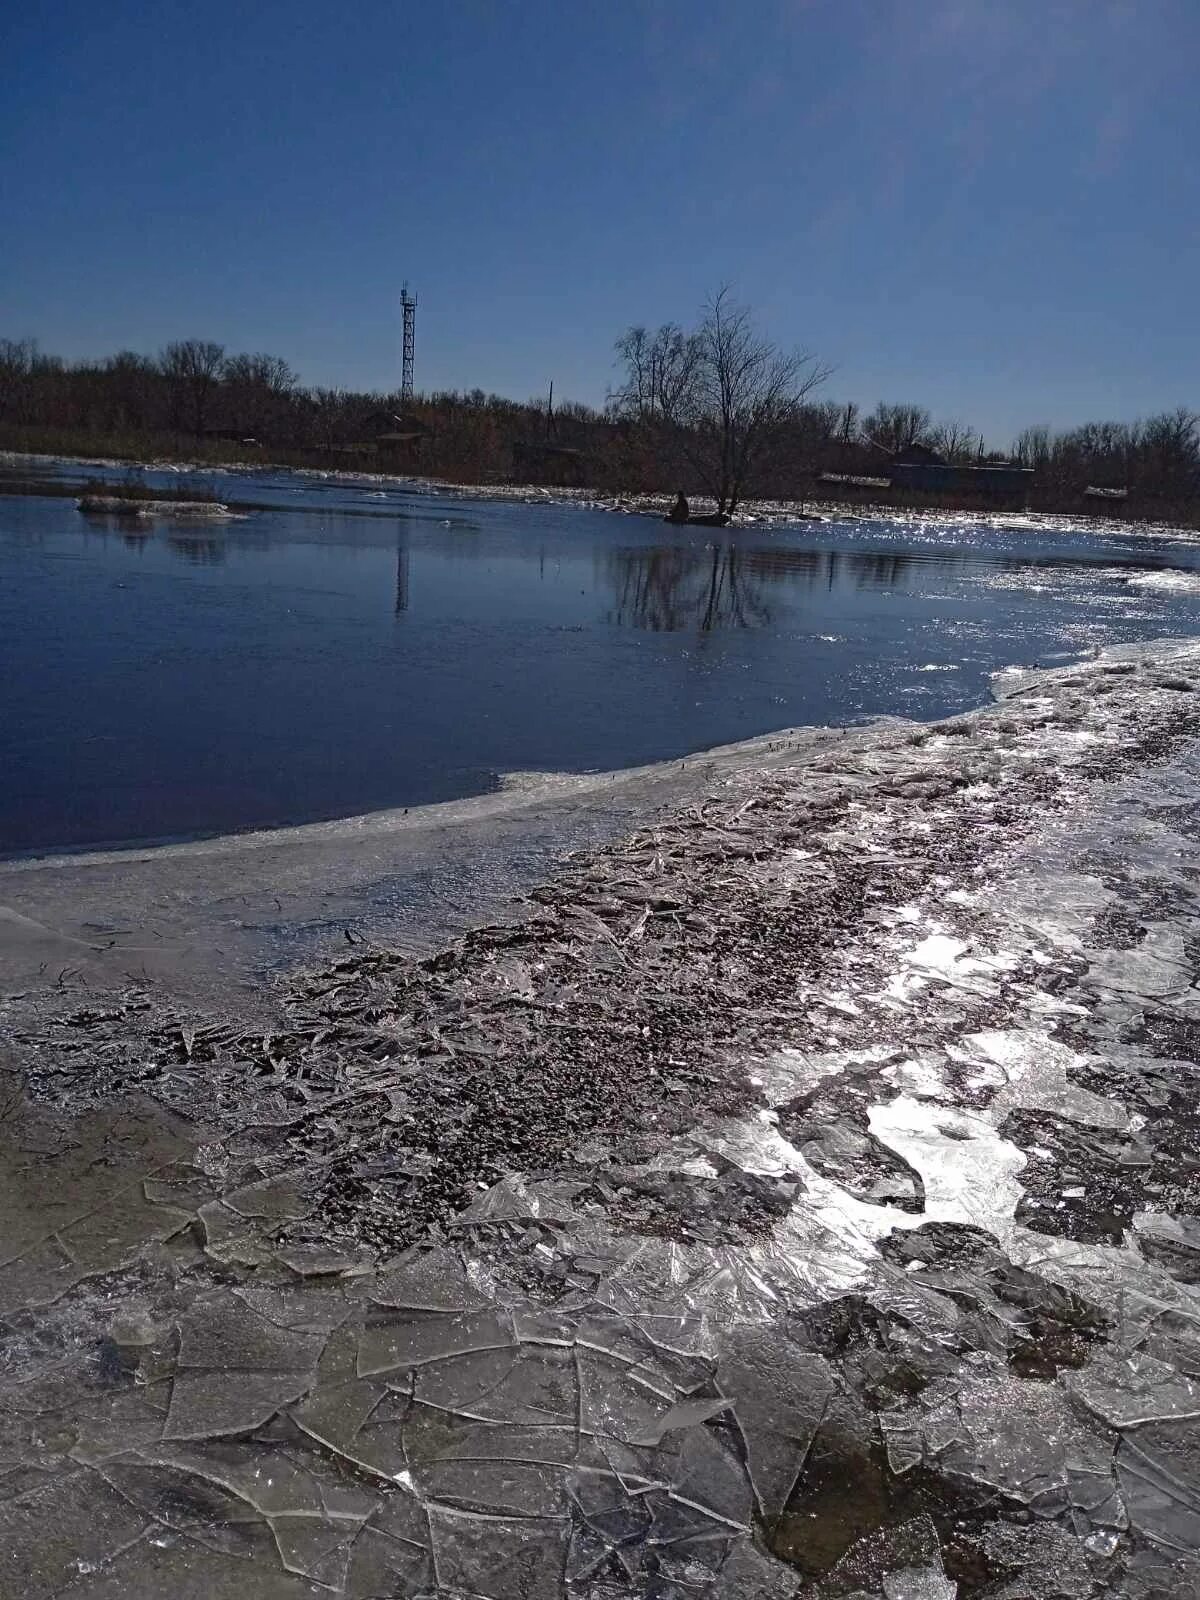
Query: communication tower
[(408, 305)]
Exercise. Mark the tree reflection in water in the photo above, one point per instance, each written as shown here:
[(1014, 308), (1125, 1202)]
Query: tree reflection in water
[(197, 549), (672, 589)]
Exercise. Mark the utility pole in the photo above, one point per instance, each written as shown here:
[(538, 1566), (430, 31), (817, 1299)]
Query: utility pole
[(408, 305)]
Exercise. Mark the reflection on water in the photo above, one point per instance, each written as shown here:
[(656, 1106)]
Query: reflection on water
[(673, 588), (327, 654), (197, 549), (731, 585), (668, 590)]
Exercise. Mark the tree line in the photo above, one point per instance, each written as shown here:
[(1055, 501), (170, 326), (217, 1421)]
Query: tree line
[(196, 400), (717, 409)]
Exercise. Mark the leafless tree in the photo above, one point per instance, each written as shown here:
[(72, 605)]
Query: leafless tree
[(258, 390), (956, 441), (18, 361), (895, 427), (1032, 446), (659, 374), (192, 368), (1170, 450), (133, 386), (721, 394), (327, 409)]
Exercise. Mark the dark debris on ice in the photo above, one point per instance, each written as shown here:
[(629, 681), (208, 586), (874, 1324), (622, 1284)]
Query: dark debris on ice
[(798, 1201)]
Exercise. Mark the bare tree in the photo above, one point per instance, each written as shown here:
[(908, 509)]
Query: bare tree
[(1032, 446), (192, 368), (259, 389), (134, 390), (659, 374), (956, 441), (895, 427), (1169, 447), (18, 361), (720, 395), (327, 412)]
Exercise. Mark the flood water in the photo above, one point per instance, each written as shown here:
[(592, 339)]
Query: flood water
[(346, 647)]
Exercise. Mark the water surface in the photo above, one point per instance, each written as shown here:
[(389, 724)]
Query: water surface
[(347, 647)]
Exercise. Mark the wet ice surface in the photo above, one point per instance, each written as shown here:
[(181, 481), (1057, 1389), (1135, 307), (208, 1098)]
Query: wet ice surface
[(875, 1274)]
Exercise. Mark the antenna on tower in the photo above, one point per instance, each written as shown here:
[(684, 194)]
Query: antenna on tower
[(408, 304)]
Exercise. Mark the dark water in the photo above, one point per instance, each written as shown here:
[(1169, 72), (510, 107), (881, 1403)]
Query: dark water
[(347, 648)]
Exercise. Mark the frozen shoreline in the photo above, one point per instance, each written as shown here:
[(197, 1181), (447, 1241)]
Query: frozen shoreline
[(830, 1137)]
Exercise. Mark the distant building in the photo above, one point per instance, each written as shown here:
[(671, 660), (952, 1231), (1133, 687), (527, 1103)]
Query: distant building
[(999, 479), (559, 466), (391, 428), (386, 433), (852, 480), (916, 454), (920, 467)]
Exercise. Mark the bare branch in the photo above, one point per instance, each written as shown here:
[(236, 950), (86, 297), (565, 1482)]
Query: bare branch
[(720, 395)]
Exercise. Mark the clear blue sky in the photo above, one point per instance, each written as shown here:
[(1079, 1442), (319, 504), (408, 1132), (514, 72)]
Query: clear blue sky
[(989, 206)]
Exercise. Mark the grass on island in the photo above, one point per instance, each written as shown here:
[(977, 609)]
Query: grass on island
[(132, 488), (129, 488)]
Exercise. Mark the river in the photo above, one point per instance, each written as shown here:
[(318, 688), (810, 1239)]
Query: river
[(345, 647)]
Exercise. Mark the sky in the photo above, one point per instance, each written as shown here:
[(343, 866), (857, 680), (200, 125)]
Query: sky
[(989, 207)]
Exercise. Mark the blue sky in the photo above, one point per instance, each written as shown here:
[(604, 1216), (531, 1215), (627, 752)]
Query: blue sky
[(988, 206)]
